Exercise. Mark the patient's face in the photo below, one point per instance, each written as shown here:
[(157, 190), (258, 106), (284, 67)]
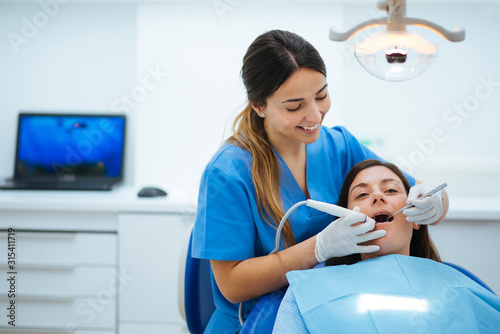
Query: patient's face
[(377, 190)]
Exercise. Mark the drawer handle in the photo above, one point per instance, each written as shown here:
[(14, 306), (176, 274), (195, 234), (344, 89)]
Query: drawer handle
[(4, 329), (46, 235), (42, 265), (35, 297)]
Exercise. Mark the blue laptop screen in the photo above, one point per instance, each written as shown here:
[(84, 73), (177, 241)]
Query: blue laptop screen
[(80, 145)]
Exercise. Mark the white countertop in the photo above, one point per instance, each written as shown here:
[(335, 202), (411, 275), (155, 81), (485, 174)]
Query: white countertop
[(474, 208), (121, 199), (124, 199)]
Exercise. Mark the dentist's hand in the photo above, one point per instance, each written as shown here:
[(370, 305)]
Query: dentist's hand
[(341, 238), (427, 210)]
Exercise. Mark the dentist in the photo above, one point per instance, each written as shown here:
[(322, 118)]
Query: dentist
[(280, 154)]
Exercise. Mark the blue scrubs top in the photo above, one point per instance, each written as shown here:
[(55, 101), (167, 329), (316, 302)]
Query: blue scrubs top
[(228, 225)]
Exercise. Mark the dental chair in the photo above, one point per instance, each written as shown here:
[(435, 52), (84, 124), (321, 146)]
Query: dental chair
[(470, 275), (195, 298), (196, 303)]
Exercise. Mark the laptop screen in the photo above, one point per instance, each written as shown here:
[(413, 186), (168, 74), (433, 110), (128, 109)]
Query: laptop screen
[(69, 146)]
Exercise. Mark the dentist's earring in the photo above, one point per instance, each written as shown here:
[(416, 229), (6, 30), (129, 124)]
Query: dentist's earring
[(262, 115)]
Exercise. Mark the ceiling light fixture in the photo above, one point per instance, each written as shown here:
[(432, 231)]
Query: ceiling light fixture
[(395, 54)]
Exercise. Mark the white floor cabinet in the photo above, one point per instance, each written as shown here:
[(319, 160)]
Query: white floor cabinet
[(150, 246), (86, 264)]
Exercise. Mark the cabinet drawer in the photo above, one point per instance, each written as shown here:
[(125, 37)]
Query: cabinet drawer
[(153, 328), (71, 282), (84, 220), (53, 249), (68, 330), (97, 313)]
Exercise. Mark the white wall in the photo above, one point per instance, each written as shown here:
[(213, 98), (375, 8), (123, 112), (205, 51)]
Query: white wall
[(178, 62), (65, 57), (183, 122), (467, 154)]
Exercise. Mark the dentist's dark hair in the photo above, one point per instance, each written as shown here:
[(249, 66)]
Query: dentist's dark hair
[(269, 61), (421, 244)]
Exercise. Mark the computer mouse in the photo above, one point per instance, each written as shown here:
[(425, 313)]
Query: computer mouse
[(151, 192)]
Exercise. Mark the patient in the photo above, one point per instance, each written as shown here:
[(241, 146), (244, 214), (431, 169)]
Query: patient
[(407, 264), (380, 189)]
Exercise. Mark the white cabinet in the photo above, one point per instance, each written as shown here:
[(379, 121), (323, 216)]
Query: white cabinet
[(60, 281), (92, 262), (149, 254), (153, 329), (473, 245)]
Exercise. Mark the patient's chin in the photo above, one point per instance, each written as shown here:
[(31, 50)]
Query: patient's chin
[(379, 242), (385, 248)]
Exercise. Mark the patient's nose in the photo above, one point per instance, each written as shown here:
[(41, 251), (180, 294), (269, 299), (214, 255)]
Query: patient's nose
[(379, 197)]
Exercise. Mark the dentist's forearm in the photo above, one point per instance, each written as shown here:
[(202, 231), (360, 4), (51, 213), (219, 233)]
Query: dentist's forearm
[(244, 280)]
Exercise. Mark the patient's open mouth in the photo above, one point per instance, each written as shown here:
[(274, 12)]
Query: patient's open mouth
[(382, 217)]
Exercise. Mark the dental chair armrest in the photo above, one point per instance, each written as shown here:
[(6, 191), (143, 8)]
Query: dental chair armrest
[(262, 317)]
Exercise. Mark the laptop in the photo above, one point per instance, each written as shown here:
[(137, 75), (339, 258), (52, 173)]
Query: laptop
[(68, 152)]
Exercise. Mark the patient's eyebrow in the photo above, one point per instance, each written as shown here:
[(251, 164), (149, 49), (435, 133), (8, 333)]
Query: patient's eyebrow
[(302, 99), (397, 181), (388, 179), (361, 185)]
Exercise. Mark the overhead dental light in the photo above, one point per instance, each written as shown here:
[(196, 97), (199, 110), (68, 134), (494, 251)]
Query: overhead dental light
[(395, 54)]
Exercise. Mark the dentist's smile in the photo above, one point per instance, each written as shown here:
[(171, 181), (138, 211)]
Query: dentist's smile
[(309, 129)]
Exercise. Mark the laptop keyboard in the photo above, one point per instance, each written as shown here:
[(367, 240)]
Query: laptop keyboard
[(63, 186)]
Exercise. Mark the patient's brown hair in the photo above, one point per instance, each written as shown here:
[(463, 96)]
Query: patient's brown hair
[(421, 244)]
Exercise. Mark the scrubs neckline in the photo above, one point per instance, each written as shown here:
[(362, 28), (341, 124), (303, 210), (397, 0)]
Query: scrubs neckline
[(315, 189)]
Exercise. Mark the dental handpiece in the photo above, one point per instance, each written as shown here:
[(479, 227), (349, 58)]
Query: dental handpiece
[(332, 209)]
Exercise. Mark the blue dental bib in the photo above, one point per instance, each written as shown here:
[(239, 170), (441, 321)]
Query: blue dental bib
[(393, 294)]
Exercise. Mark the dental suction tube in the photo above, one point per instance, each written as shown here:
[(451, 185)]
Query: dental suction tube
[(331, 209)]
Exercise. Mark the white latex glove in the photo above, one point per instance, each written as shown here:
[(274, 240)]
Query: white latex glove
[(427, 210), (340, 238)]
